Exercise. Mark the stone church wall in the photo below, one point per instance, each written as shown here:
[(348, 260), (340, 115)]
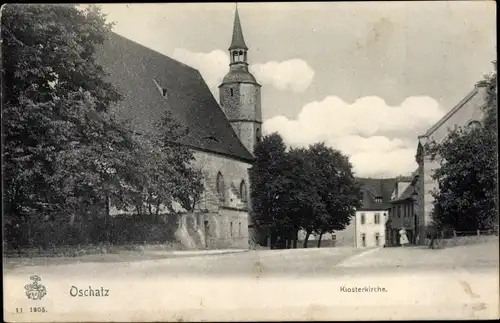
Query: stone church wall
[(229, 221), (471, 110)]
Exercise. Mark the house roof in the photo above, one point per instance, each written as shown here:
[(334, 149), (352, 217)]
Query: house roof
[(142, 74), (406, 195), (376, 188)]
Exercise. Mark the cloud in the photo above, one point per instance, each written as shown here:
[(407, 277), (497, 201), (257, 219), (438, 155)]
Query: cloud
[(212, 66), (380, 139), (294, 74)]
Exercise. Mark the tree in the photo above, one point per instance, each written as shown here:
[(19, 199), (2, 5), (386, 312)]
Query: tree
[(267, 181), (467, 178), (163, 172), (66, 156), (55, 108), (336, 186)]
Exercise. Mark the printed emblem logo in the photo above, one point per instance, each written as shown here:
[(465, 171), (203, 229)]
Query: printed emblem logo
[(35, 291)]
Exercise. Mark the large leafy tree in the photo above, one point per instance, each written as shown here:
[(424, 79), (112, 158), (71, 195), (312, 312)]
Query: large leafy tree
[(301, 188), (57, 132), (335, 184), (267, 181), (467, 197), (65, 156)]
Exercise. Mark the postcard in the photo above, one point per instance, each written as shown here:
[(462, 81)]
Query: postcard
[(250, 161)]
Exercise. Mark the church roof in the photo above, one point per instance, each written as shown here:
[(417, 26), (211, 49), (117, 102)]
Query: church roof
[(238, 42), (142, 74)]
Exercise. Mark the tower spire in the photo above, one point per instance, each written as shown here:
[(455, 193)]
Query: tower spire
[(238, 42)]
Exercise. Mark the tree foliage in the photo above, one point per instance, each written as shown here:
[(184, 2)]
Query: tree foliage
[(467, 196), (66, 156), (302, 188)]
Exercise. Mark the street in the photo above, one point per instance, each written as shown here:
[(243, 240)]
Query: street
[(454, 283)]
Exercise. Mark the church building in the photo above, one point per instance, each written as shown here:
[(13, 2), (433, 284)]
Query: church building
[(222, 137), (467, 113)]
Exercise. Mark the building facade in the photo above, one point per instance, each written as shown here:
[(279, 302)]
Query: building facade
[(371, 218), (468, 112), (402, 213), (221, 137), (367, 228)]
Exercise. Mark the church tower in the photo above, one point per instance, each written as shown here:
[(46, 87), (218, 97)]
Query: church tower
[(240, 93)]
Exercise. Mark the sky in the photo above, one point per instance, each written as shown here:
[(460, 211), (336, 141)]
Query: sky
[(364, 77)]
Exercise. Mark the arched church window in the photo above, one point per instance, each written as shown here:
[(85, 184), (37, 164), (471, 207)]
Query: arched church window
[(221, 190), (235, 56), (243, 191), (231, 90), (257, 134), (474, 124)]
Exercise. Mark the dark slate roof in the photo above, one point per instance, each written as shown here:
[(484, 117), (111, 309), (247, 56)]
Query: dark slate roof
[(406, 195), (373, 188), (138, 71), (238, 42), (238, 76)]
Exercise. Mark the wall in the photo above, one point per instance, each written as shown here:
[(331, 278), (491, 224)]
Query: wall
[(470, 109), (245, 103), (343, 238), (243, 109), (233, 171), (370, 228), (213, 230)]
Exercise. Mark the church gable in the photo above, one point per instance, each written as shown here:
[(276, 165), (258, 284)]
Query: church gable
[(467, 111)]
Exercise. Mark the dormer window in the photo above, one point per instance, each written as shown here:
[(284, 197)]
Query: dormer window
[(211, 138), (162, 90), (378, 200)]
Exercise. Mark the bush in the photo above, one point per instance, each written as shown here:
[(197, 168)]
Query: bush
[(120, 230)]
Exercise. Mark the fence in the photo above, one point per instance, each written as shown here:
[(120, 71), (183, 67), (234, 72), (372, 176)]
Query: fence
[(450, 238)]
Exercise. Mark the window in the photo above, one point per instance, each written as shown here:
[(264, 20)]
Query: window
[(378, 200), (221, 188), (243, 191), (377, 218), (231, 228), (257, 134), (363, 240), (474, 124), (377, 239), (363, 218), (239, 229), (362, 196), (231, 90)]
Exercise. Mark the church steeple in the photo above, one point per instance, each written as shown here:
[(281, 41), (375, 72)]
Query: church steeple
[(240, 93), (238, 41), (238, 49)]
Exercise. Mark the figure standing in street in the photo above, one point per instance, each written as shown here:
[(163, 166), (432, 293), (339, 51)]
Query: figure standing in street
[(403, 237)]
